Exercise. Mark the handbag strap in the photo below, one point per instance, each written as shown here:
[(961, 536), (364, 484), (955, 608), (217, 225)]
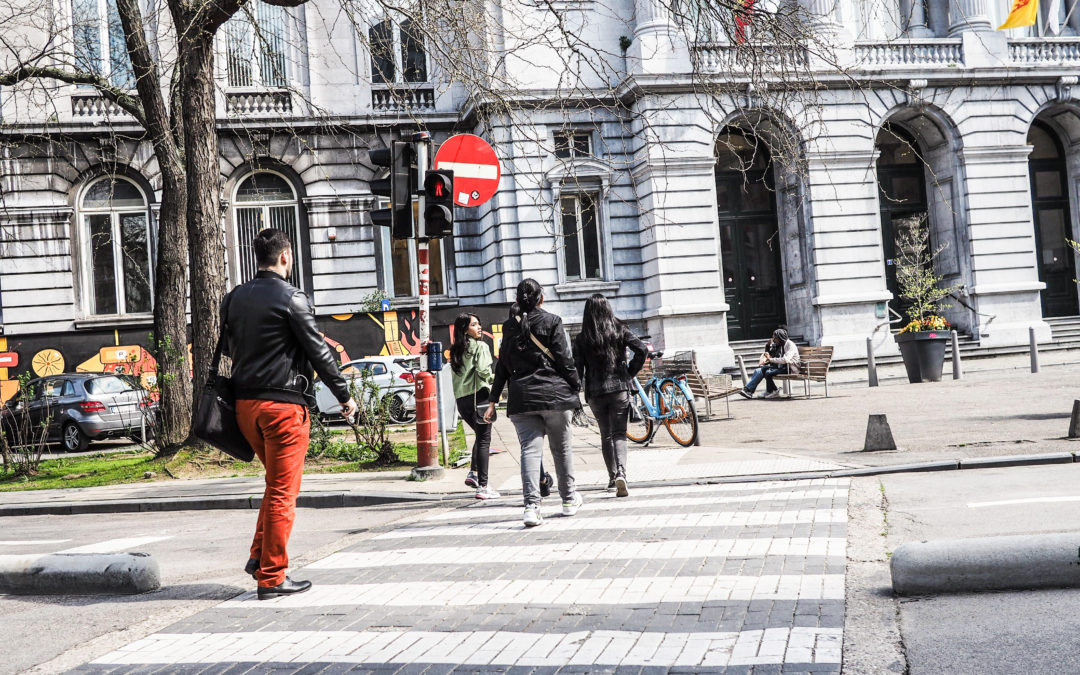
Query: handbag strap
[(536, 341), (215, 363)]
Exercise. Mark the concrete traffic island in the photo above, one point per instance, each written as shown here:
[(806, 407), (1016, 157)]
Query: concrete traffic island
[(79, 574), (1019, 562)]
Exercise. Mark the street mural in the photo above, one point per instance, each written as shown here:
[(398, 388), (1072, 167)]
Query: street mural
[(350, 336)]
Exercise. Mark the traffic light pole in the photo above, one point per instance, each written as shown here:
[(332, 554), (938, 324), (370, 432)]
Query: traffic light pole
[(427, 432)]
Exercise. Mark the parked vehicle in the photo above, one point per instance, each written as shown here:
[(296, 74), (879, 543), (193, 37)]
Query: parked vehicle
[(394, 375), (76, 408)]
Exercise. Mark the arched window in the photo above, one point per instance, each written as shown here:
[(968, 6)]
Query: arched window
[(116, 226), (266, 199)]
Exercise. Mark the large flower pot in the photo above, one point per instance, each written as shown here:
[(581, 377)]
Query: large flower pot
[(923, 354)]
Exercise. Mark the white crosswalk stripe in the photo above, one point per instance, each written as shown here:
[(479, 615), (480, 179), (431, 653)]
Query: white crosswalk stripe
[(611, 550), (600, 648), (115, 545), (34, 542), (696, 577)]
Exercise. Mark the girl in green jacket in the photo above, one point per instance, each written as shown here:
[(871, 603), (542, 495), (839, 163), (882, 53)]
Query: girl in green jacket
[(470, 361)]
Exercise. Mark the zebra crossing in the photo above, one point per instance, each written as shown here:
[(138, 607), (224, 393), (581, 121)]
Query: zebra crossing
[(745, 578)]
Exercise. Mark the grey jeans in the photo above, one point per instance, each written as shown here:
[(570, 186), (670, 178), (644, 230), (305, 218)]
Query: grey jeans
[(531, 428), (611, 412)]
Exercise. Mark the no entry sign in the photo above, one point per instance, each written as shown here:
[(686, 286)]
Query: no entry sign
[(475, 166)]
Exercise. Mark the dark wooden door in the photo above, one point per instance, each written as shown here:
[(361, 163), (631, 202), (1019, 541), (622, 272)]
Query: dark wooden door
[(749, 239), (1053, 224), (902, 199)]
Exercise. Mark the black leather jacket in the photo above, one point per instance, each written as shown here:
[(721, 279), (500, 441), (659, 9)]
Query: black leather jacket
[(274, 344), (601, 381), (536, 382)]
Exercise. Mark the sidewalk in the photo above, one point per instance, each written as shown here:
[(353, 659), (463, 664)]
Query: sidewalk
[(998, 416)]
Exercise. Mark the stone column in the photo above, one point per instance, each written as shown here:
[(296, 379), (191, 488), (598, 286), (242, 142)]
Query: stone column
[(1006, 289), (823, 14), (969, 16), (914, 12), (659, 46)]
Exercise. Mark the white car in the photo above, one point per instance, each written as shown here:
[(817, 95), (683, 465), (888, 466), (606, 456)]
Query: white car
[(394, 375)]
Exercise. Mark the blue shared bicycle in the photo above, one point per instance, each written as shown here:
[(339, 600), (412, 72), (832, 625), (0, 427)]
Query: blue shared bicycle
[(663, 400)]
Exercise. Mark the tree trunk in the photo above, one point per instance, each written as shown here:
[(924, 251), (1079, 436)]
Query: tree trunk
[(206, 246)]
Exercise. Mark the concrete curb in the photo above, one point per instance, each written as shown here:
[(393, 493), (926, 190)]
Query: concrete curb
[(79, 574), (987, 564), (325, 500)]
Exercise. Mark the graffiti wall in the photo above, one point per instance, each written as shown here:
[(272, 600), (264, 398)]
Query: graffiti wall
[(350, 336)]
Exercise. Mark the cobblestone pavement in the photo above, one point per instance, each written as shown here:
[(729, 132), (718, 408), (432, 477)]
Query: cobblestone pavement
[(735, 578)]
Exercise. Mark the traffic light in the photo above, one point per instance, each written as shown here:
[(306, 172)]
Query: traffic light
[(399, 186), (439, 204)]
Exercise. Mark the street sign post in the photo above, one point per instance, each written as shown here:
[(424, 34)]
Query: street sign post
[(475, 166)]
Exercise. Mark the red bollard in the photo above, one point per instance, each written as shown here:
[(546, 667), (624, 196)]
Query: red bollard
[(427, 421)]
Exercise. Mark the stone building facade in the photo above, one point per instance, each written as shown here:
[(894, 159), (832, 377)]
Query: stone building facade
[(668, 201)]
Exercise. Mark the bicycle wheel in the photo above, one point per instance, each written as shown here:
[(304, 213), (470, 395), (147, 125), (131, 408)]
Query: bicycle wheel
[(640, 431), (682, 424)]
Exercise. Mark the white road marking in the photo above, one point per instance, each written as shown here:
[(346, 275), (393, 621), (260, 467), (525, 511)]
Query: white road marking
[(604, 591), (630, 522), (1029, 500), (34, 542), (491, 648), (601, 550), (115, 545), (612, 503)]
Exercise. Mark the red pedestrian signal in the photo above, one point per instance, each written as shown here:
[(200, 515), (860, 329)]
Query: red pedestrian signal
[(439, 204)]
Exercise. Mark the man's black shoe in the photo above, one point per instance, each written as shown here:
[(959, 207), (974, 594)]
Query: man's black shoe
[(611, 484), (287, 587), (252, 567), (546, 483), (746, 393)]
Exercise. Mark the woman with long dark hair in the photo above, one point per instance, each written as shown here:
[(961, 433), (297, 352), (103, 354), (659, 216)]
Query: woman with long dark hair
[(535, 361), (600, 358), (470, 363)]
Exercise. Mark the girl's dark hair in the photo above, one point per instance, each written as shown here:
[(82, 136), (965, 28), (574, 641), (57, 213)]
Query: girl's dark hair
[(461, 341), (600, 333), (529, 293)]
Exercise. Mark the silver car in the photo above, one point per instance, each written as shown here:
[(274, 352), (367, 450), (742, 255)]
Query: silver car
[(75, 408), (395, 377)]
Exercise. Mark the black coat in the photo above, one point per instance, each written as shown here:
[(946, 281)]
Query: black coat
[(599, 381), (536, 382), (274, 344)]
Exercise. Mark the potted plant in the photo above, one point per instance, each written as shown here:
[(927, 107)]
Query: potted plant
[(922, 340)]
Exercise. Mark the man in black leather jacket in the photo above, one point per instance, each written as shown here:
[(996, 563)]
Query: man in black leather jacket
[(275, 346)]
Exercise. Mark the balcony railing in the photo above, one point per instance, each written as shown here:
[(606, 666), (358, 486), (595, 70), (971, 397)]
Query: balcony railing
[(1044, 51), (261, 103), (403, 98), (939, 52), (93, 106), (723, 57)]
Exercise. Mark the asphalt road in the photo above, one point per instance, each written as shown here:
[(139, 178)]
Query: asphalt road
[(1000, 633), (201, 554)]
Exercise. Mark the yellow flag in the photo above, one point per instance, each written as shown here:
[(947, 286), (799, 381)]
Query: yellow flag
[(1024, 13)]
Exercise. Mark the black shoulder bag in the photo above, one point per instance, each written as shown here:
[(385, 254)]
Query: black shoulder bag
[(215, 420)]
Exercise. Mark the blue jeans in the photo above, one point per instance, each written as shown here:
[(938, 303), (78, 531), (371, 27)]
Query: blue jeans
[(766, 372)]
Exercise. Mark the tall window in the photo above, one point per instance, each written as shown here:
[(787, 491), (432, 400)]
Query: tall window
[(255, 42), (99, 41), (402, 265), (581, 237), (116, 227), (397, 53), (263, 200)]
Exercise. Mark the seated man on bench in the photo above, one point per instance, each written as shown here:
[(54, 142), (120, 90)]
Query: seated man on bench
[(780, 357)]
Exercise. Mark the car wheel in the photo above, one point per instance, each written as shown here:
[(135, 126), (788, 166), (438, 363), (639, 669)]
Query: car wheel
[(398, 413), (74, 439)]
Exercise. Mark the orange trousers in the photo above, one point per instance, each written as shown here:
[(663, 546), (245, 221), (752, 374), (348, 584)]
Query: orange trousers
[(279, 433)]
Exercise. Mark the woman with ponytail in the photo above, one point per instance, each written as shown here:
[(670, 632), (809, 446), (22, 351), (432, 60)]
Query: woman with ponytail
[(470, 363), (600, 358), (536, 365)]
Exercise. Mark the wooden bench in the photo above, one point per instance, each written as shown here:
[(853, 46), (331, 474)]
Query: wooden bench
[(707, 388), (814, 366)]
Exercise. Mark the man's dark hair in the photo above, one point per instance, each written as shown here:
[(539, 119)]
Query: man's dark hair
[(268, 246)]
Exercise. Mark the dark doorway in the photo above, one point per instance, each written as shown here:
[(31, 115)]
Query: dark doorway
[(902, 195), (749, 237), (1053, 224)]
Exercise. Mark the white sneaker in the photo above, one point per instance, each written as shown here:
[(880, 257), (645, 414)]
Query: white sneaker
[(772, 394), (470, 480), (620, 487), (571, 507), (532, 515), (487, 493)]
